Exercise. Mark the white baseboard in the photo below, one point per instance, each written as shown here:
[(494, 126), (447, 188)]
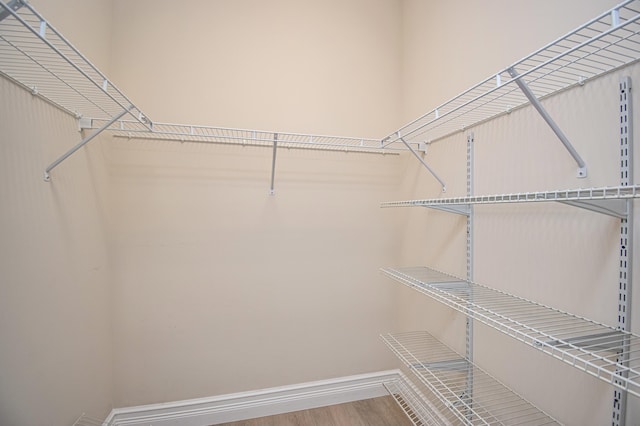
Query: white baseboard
[(247, 405)]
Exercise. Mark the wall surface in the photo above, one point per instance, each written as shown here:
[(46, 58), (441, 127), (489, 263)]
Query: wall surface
[(55, 286), (220, 287), (323, 67), (55, 317)]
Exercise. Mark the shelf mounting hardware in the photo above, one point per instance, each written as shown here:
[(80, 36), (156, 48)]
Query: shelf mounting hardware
[(625, 251), (424, 163), (83, 142), (13, 5), (582, 167), (273, 164)]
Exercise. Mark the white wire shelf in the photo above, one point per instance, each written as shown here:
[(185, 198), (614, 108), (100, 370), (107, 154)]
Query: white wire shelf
[(471, 394), (418, 408), (604, 44), (36, 56), (587, 345), (246, 137), (606, 200)]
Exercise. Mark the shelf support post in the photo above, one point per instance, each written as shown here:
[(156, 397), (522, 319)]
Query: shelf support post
[(469, 324), (83, 142), (625, 247), (582, 167), (424, 163), (273, 165)]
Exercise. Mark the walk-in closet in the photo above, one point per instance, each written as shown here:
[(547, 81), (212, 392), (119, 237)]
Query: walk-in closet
[(221, 210)]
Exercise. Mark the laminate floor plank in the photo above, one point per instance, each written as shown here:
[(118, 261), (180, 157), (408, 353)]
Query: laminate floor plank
[(382, 411)]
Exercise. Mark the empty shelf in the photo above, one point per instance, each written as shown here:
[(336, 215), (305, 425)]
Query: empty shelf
[(589, 346), (606, 200), (36, 56), (244, 137), (472, 395), (419, 409), (603, 44)]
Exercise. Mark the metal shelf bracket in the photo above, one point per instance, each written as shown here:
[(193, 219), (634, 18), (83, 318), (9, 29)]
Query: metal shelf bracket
[(424, 163), (582, 167), (463, 210), (82, 143), (273, 164), (13, 5), (615, 208)]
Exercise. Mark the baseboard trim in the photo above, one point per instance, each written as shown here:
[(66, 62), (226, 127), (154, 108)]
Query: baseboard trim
[(247, 405)]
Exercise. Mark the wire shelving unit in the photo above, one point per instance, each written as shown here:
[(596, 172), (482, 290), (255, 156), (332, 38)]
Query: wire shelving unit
[(472, 395), (245, 137), (587, 345), (607, 200), (606, 43), (36, 56), (418, 408)]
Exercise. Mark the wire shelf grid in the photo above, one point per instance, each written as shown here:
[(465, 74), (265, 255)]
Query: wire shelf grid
[(245, 137), (604, 44), (471, 394), (587, 345), (580, 194), (36, 56), (418, 408)]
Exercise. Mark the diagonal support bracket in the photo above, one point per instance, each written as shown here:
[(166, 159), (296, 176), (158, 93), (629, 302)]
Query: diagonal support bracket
[(582, 167), (424, 163), (83, 142), (463, 209)]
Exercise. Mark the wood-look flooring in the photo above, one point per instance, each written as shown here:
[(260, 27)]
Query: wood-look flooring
[(382, 411)]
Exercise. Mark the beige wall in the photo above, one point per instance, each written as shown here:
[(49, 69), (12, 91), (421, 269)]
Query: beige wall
[(220, 287), (55, 319), (557, 255), (311, 66), (55, 292)]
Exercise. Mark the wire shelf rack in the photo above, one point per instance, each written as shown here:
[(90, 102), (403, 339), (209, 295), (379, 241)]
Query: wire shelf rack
[(418, 408), (604, 44), (36, 56), (587, 345), (471, 394), (246, 137), (606, 200)]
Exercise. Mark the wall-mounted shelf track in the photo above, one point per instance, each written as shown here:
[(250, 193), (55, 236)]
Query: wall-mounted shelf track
[(587, 345), (601, 45), (605, 200), (446, 373)]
